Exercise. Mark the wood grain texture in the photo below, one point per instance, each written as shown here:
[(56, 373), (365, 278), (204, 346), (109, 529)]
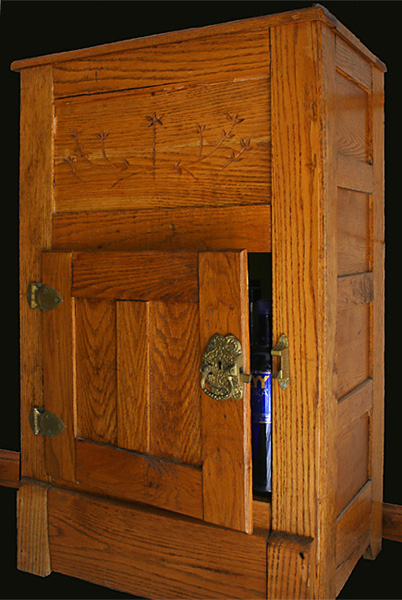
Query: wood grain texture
[(314, 13), (175, 359), (353, 63), (353, 122), (58, 365), (354, 290), (293, 575), (197, 228), (33, 554), (226, 451), (133, 384), (353, 348), (150, 553), (378, 326), (236, 54), (353, 174), (353, 460), (352, 537), (355, 405), (131, 476), (164, 147), (9, 468), (392, 522), (96, 384), (36, 207), (136, 276), (303, 138), (353, 232)]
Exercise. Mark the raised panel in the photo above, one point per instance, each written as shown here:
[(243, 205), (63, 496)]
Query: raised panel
[(352, 348), (353, 460), (353, 232), (95, 370), (133, 403), (353, 135), (175, 359), (165, 147)]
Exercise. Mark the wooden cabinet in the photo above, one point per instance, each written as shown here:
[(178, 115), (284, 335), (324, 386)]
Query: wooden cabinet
[(153, 172)]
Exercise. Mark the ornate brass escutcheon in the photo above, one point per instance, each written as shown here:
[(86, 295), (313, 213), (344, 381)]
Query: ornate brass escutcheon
[(222, 374)]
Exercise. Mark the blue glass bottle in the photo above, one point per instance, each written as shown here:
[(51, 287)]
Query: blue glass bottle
[(261, 406)]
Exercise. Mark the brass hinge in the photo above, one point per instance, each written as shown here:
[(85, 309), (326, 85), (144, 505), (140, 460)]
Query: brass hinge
[(45, 422), (43, 296)]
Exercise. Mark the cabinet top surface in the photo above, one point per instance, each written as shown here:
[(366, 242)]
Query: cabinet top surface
[(315, 13)]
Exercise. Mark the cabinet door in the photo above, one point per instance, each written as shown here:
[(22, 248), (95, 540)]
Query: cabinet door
[(122, 357)]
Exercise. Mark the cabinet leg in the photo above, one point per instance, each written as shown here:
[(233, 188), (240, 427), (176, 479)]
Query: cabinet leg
[(33, 554), (290, 573)]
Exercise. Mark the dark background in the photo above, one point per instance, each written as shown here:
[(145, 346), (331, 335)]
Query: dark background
[(30, 29)]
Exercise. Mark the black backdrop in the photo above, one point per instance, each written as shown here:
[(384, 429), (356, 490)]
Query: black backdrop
[(42, 27)]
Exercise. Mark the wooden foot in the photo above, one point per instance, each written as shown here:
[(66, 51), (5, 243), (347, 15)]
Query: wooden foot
[(33, 553)]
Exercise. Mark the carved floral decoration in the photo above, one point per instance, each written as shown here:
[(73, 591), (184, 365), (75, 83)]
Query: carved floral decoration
[(124, 170)]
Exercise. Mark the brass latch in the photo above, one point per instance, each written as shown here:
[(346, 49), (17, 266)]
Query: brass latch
[(43, 296), (45, 422), (282, 350), (222, 374)]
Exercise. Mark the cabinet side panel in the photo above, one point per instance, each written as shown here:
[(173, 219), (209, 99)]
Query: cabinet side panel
[(360, 342), (32, 524), (36, 206)]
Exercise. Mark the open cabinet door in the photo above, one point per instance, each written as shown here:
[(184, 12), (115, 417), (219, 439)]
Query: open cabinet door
[(122, 358)]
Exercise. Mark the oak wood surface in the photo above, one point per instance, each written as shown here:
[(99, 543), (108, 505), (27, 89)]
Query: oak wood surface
[(131, 476), (392, 522), (175, 392), (226, 452), (36, 207), (300, 292), (58, 365), (293, 574), (95, 370), (147, 552), (352, 536), (196, 228), (162, 147), (315, 13), (353, 121), (33, 554), (378, 317), (353, 348), (354, 290), (136, 276), (353, 232), (133, 376), (352, 64), (354, 405), (9, 468)]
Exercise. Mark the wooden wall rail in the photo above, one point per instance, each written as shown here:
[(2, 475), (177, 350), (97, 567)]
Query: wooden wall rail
[(9, 468)]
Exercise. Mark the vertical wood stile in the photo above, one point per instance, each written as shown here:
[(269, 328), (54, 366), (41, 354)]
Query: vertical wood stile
[(378, 343), (33, 531), (36, 206), (58, 365), (304, 297), (227, 488)]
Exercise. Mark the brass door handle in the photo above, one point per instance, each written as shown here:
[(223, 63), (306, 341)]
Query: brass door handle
[(281, 350), (222, 374)]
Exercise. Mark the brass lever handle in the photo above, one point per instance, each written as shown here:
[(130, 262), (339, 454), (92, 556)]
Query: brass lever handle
[(281, 350)]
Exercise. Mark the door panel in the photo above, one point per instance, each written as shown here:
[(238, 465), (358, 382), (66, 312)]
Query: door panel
[(127, 383)]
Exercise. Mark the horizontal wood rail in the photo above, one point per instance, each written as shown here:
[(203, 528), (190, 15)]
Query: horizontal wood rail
[(9, 468), (392, 522)]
